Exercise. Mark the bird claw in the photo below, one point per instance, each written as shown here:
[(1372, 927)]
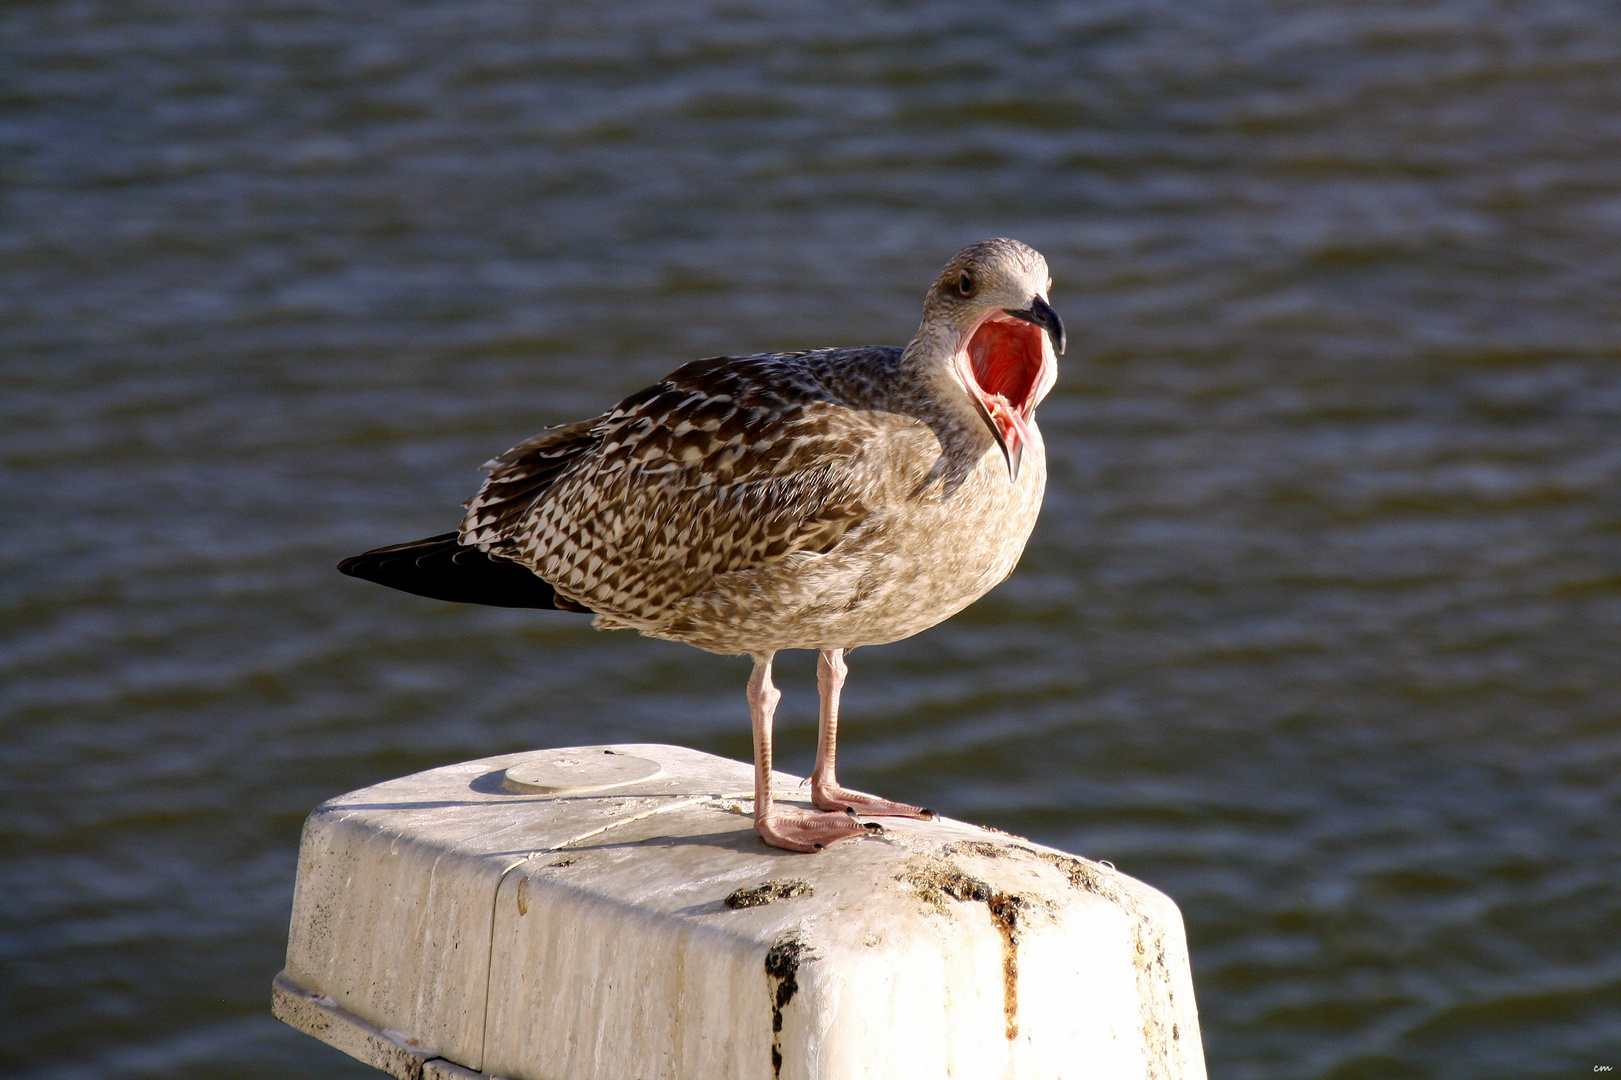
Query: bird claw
[(854, 803), (808, 831)]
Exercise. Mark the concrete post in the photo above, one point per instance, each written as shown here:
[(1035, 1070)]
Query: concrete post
[(607, 913)]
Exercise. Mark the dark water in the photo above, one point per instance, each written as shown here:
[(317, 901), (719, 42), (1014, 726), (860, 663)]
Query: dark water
[(1318, 632)]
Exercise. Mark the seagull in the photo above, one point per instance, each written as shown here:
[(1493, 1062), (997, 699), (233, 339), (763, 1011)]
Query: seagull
[(826, 499)]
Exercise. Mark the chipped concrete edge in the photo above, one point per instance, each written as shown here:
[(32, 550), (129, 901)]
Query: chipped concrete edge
[(325, 1019)]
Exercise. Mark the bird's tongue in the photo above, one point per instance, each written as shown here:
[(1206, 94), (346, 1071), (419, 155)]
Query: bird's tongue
[(1005, 361)]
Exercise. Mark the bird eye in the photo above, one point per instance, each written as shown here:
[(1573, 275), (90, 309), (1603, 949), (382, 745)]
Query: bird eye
[(965, 283)]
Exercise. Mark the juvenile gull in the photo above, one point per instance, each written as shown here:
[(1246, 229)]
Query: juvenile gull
[(822, 500)]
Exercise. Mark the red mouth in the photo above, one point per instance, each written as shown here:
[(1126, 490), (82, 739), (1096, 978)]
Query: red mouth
[(1008, 367)]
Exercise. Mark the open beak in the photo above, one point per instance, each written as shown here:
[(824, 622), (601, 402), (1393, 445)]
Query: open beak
[(1041, 314), (1007, 367)]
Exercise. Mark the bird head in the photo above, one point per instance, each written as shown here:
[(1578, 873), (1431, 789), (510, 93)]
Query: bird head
[(988, 310)]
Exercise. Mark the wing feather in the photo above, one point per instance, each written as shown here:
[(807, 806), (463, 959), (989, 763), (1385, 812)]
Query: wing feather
[(519, 477), (726, 465)]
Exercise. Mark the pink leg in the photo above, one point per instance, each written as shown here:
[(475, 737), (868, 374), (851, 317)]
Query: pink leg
[(825, 790), (795, 830)]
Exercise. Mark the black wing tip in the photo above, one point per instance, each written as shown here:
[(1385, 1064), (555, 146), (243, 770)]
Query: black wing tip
[(442, 568), (356, 565)]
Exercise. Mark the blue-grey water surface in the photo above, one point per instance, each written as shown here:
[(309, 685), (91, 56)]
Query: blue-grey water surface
[(1318, 632)]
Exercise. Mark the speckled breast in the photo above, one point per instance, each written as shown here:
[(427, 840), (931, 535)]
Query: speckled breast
[(916, 561)]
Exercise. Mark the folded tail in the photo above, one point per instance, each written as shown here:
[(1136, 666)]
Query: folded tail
[(443, 569)]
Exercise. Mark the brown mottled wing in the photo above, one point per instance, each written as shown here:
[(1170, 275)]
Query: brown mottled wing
[(519, 477), (727, 464)]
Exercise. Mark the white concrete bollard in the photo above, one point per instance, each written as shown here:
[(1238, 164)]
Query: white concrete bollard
[(607, 913)]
